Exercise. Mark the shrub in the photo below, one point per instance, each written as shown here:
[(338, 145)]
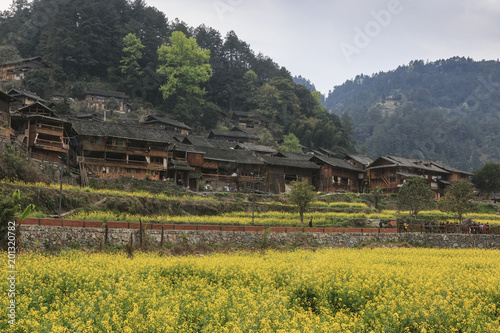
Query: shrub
[(307, 298), (13, 166)]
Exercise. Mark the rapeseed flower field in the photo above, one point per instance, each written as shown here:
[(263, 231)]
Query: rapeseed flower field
[(338, 212), (135, 193), (329, 290), (271, 218)]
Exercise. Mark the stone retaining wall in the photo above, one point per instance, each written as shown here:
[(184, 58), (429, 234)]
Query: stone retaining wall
[(46, 237)]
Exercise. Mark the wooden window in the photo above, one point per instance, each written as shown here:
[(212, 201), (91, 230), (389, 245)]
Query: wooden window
[(119, 142)]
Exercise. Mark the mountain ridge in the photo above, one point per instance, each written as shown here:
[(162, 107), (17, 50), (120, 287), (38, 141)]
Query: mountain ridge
[(444, 110)]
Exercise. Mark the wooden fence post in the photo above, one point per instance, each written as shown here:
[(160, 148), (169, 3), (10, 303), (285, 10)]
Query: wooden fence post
[(140, 232), (162, 239), (106, 230)]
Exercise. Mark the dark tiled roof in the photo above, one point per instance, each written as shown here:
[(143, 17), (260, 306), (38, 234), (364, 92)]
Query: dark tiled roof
[(317, 152), (6, 97), (415, 163), (257, 148), (326, 152), (180, 165), (107, 93), (446, 167), (234, 134), (230, 155), (289, 162), (237, 129), (201, 141), (294, 156), (406, 162), (336, 162), (20, 61), (152, 119), (223, 144), (179, 146), (88, 115), (128, 121), (195, 140), (365, 160), (120, 130), (14, 92), (29, 106)]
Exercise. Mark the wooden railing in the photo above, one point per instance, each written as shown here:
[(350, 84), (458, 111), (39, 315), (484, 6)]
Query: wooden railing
[(386, 181), (49, 129), (115, 147), (52, 144), (119, 162)]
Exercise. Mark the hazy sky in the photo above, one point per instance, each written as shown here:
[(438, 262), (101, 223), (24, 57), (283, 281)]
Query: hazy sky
[(329, 42)]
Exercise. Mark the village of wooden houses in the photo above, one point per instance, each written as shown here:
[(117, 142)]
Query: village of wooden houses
[(162, 149)]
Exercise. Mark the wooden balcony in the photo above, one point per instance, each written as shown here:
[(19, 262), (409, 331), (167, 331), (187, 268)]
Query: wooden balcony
[(111, 147), (52, 145), (50, 129), (120, 163)]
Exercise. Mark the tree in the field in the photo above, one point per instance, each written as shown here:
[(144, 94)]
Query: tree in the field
[(185, 65), (290, 144), (487, 179), (267, 139), (63, 107), (210, 116), (36, 81), (458, 198), (8, 53), (302, 194), (268, 102), (9, 207), (415, 195), (377, 197), (233, 60), (112, 104), (132, 54)]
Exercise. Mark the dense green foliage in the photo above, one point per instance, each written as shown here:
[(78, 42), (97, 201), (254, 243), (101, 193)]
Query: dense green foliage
[(290, 144), (487, 179), (7, 212), (458, 199), (302, 194), (113, 45), (445, 110), (8, 53), (415, 196), (377, 197), (185, 66), (132, 55), (9, 206), (13, 166)]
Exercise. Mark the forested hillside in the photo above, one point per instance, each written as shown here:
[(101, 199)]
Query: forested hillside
[(447, 110), (114, 45)]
